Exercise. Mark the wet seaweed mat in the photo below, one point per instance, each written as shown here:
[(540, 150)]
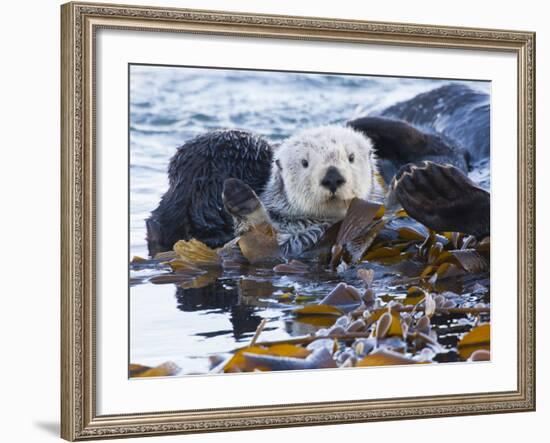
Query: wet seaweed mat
[(381, 289)]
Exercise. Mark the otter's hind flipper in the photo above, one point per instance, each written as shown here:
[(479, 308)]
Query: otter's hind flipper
[(243, 204), (248, 211), (442, 198)]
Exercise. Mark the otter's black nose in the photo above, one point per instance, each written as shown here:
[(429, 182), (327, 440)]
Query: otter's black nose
[(333, 179)]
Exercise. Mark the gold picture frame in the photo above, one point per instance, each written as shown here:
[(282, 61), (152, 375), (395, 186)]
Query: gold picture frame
[(80, 21)]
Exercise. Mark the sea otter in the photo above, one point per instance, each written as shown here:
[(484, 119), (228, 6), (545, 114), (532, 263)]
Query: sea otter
[(305, 186), (222, 181), (314, 177)]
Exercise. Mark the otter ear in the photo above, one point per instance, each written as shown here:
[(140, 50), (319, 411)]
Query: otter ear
[(278, 163)]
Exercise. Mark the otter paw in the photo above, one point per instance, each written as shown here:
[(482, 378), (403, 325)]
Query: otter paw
[(239, 199), (442, 198)]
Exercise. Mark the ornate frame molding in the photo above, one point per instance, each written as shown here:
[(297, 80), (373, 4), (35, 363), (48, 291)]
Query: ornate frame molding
[(79, 23)]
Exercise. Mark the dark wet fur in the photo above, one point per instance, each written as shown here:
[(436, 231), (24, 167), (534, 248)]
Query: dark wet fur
[(397, 143), (455, 112), (192, 207)]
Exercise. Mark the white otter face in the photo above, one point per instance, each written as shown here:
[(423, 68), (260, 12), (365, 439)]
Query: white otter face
[(324, 168)]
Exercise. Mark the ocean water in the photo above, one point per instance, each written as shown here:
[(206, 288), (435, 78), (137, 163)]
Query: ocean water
[(169, 105)]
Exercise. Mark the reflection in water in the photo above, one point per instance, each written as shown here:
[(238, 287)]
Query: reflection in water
[(221, 298), (187, 325)]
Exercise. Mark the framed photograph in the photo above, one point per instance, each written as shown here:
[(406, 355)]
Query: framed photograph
[(281, 221)]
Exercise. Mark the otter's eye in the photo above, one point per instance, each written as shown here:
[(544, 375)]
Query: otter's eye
[(305, 163), (351, 158)]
